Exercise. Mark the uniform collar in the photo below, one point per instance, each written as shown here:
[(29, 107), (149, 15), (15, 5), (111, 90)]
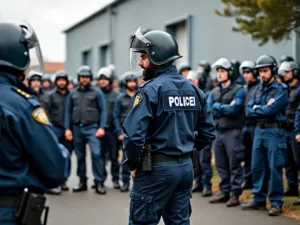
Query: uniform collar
[(57, 91), (7, 78), (169, 70), (274, 84), (296, 85), (251, 84), (89, 87), (229, 87)]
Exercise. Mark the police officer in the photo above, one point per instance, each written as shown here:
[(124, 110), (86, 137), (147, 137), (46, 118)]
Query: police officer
[(35, 85), (109, 142), (286, 58), (184, 69), (204, 68), (122, 108), (46, 83), (86, 114), (56, 109), (227, 103), (297, 138), (204, 175), (25, 162), (167, 110), (290, 74), (250, 76), (267, 106)]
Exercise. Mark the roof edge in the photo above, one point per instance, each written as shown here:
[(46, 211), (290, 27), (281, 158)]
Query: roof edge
[(98, 12)]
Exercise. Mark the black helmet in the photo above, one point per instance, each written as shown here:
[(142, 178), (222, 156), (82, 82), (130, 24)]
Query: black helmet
[(206, 66), (160, 46), (285, 58), (61, 74), (184, 66), (85, 71), (46, 77), (106, 73), (267, 61), (33, 75), (15, 43)]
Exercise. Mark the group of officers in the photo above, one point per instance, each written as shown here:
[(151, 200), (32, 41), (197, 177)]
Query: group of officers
[(249, 115), (88, 114), (255, 106)]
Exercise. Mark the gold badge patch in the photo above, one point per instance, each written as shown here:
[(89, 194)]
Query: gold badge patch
[(40, 116), (137, 100)]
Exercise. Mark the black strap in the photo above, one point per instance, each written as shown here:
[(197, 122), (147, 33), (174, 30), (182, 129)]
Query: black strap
[(8, 201)]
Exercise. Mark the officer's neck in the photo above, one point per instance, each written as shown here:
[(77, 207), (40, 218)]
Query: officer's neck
[(62, 91), (270, 81), (293, 82), (226, 84)]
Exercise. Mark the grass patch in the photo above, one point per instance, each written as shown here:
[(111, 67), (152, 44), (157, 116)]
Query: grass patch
[(289, 209)]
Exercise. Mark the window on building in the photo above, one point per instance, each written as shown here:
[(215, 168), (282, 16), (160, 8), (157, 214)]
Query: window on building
[(86, 58), (104, 55), (180, 32)]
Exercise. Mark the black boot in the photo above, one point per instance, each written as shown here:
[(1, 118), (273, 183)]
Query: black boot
[(291, 192), (64, 187), (254, 206), (197, 187), (99, 188), (81, 186), (125, 187)]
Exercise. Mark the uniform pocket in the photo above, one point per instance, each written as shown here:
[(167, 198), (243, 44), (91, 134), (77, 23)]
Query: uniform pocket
[(238, 154), (141, 208), (280, 157)]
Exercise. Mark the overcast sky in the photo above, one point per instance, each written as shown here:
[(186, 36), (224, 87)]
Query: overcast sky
[(49, 18)]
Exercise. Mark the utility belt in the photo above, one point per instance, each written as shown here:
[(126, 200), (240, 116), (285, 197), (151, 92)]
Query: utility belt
[(28, 207), (148, 157), (250, 122), (84, 124), (279, 124)]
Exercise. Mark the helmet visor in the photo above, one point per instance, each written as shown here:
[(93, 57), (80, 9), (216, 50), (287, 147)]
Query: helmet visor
[(35, 53), (138, 44)]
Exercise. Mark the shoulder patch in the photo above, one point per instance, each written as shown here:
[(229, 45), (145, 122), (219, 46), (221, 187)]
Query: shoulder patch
[(40, 116), (137, 100), (23, 93)]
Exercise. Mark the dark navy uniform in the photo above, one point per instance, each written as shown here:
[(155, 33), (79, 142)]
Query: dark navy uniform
[(167, 111), (228, 148), (269, 142), (109, 143), (122, 108), (86, 112), (292, 162), (248, 136), (25, 159), (56, 109)]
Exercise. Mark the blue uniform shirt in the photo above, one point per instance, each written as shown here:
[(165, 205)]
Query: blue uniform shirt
[(101, 102), (30, 155), (260, 97), (167, 111), (297, 117), (220, 109)]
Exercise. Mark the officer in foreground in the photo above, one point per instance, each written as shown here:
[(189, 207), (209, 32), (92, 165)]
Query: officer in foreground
[(25, 162), (250, 76), (109, 142), (122, 107), (267, 106), (227, 101), (56, 109), (159, 133), (290, 72), (86, 116)]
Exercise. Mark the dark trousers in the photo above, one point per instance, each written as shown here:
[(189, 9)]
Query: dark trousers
[(204, 173), (125, 170), (229, 153), (60, 134), (248, 138), (164, 192), (292, 160), (109, 146), (83, 136)]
